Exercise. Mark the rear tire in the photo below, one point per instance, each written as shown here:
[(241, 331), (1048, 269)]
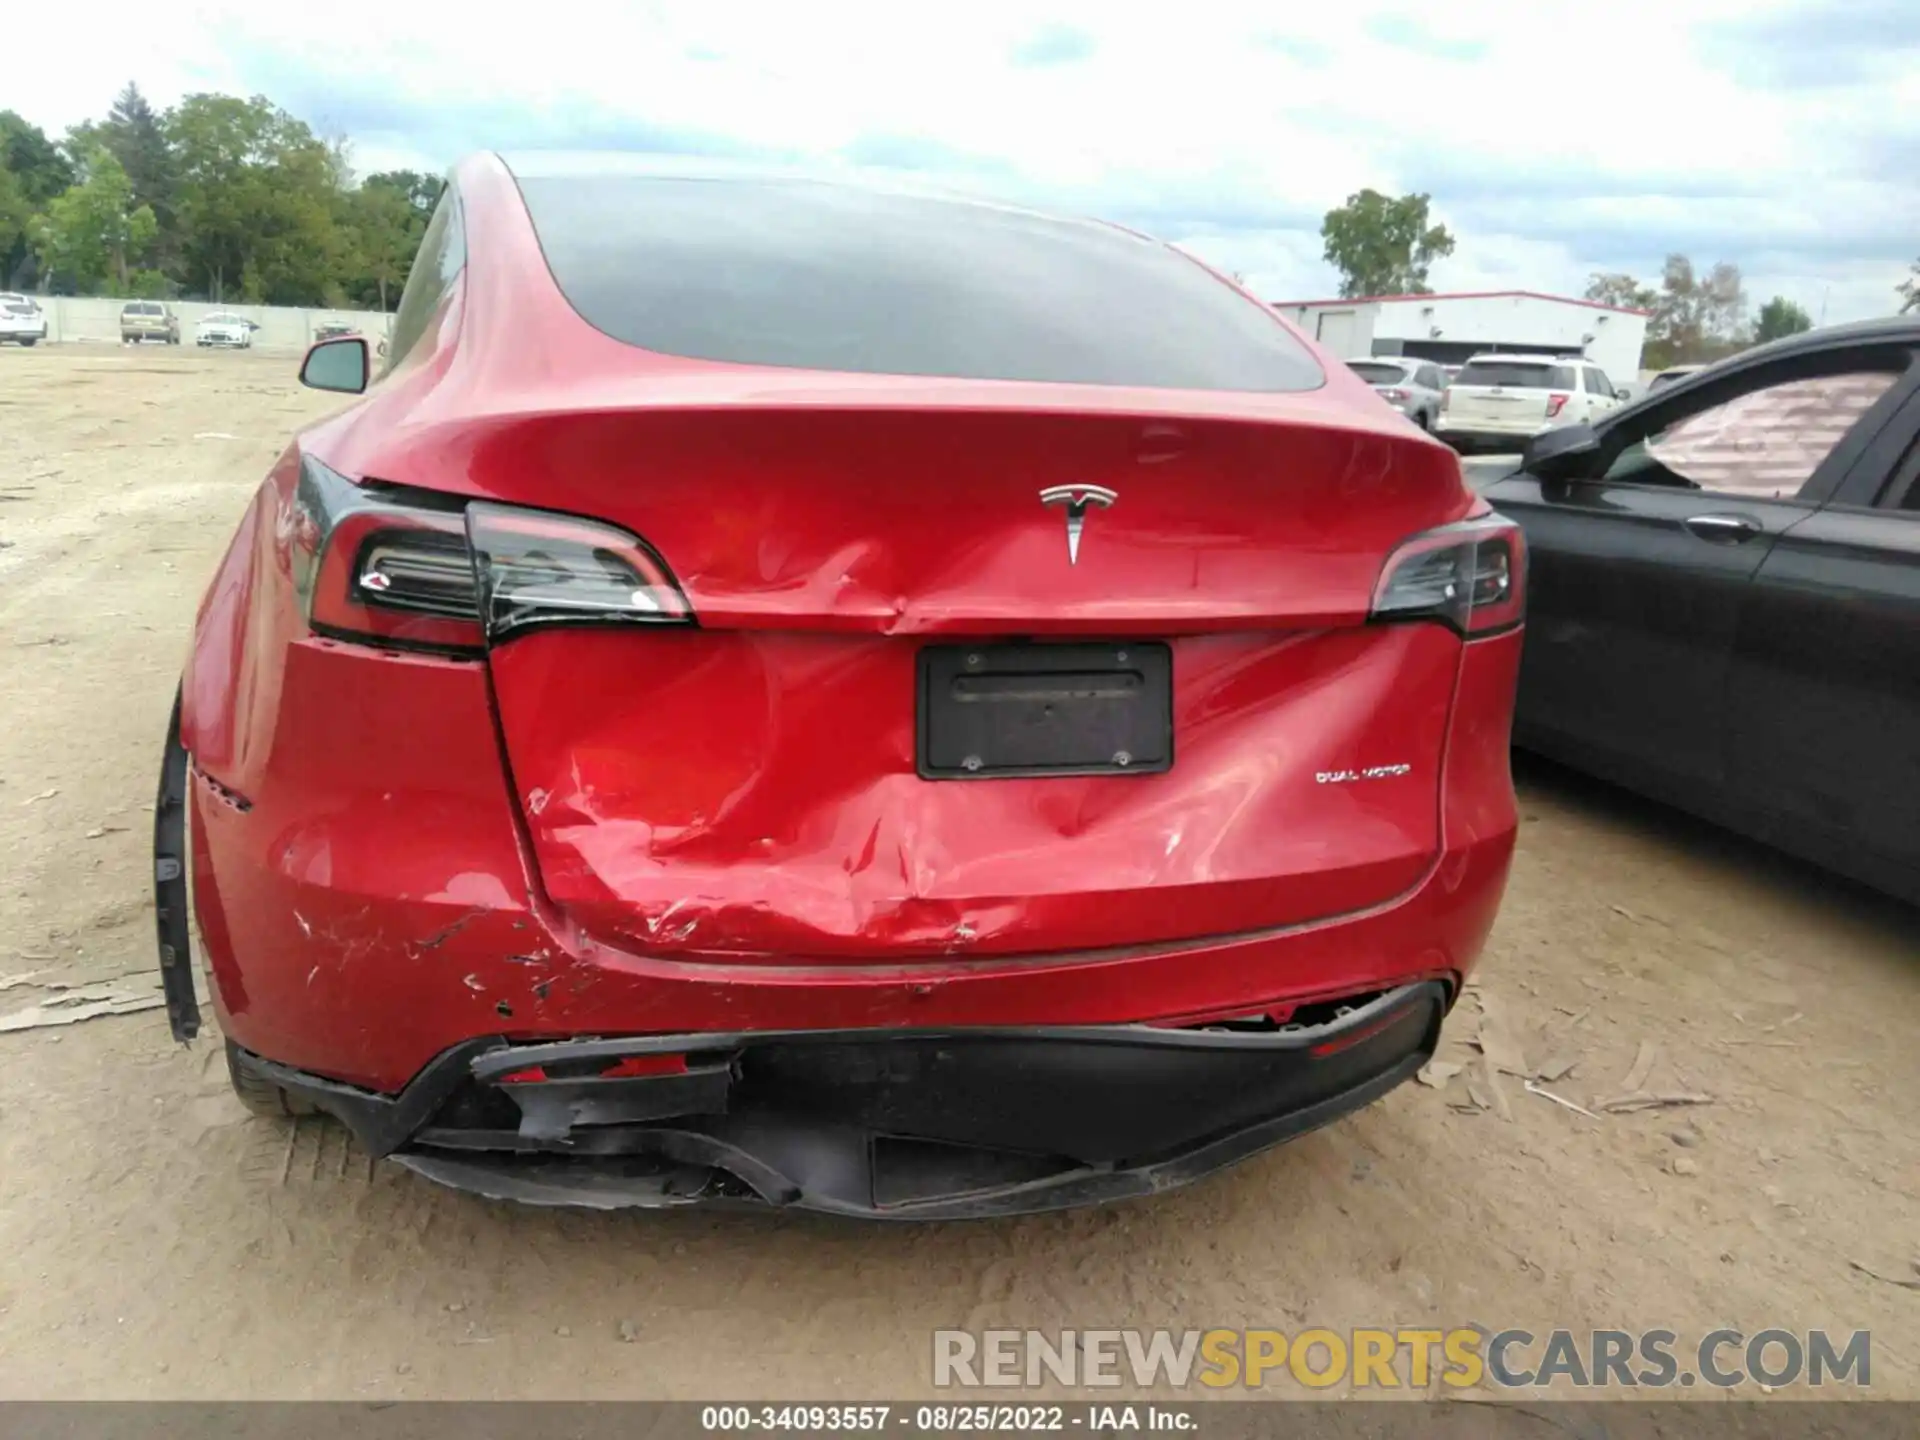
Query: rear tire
[(29, 342), (261, 1095)]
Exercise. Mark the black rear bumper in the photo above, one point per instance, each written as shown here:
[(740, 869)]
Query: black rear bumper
[(930, 1125)]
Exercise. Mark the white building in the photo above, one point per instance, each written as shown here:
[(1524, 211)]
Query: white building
[(1453, 328)]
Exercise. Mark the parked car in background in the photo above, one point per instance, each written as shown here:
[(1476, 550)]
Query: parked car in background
[(224, 328), (1499, 402), (611, 783), (333, 330), (142, 320), (21, 319), (1672, 374), (1725, 596), (1412, 387)]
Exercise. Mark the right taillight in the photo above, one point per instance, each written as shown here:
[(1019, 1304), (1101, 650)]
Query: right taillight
[(417, 569), (1555, 404), (1471, 576), (537, 569)]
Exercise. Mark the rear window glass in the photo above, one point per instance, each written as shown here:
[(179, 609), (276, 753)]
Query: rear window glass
[(1517, 375), (1375, 374), (799, 273)]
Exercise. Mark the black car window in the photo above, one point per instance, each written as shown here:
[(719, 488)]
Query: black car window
[(1598, 383), (442, 254), (1429, 378), (1377, 372), (1516, 374), (1763, 444), (795, 272)]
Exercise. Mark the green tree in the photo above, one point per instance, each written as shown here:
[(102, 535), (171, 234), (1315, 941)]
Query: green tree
[(1696, 318), (385, 218), (92, 231), (1383, 246), (257, 194), (386, 232), (421, 189), (1622, 291), (15, 212), (39, 172), (1909, 290), (36, 162), (132, 133), (1779, 318)]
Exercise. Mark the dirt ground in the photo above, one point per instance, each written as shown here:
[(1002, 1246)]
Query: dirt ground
[(156, 1241)]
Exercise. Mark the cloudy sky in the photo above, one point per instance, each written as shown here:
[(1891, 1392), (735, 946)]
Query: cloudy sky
[(1555, 138)]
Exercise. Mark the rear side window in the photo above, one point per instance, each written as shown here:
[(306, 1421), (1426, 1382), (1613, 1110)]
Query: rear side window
[(774, 271), (1763, 445), (1516, 375), (442, 255), (1375, 374)]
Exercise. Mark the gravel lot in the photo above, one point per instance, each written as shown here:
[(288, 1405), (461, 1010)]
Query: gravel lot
[(159, 1242)]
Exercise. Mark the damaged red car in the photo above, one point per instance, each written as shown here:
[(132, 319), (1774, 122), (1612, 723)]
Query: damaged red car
[(791, 692)]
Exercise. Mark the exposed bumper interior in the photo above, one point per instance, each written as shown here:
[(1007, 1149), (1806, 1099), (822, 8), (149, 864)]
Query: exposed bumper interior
[(886, 1124)]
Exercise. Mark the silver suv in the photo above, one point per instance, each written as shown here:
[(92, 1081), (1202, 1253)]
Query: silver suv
[(148, 320)]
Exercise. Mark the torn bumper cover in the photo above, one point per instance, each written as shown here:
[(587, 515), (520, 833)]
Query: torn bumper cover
[(905, 1124)]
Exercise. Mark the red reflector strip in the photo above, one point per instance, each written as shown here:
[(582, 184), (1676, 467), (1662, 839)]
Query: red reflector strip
[(1347, 1042), (524, 1077), (635, 1065)]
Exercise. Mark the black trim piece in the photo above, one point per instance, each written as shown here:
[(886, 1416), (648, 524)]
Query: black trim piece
[(611, 1189), (170, 905), (549, 1109), (381, 1123), (900, 1124), (490, 1067), (471, 655), (1887, 468)]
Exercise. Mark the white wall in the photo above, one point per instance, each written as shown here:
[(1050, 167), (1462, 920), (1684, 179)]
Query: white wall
[(1612, 339), (1346, 330), (97, 318)]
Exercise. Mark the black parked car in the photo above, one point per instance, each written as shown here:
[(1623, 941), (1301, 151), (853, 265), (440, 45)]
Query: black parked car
[(1724, 608)]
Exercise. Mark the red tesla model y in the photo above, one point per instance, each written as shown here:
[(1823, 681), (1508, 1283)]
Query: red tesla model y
[(794, 692)]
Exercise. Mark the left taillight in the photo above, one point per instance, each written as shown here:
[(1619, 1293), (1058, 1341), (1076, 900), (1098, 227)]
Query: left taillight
[(416, 569), (1470, 576)]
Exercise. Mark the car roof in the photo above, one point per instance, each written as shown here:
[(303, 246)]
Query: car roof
[(588, 164)]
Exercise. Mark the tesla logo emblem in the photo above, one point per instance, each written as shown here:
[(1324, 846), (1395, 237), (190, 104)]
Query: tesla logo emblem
[(1077, 498)]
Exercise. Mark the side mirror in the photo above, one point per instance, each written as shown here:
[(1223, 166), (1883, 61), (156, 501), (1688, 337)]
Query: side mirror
[(1622, 393), (337, 364), (1559, 454)]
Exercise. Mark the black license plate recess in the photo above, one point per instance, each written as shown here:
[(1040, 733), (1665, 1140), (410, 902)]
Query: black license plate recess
[(998, 711)]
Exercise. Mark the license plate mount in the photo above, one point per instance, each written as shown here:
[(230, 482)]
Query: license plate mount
[(990, 712)]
